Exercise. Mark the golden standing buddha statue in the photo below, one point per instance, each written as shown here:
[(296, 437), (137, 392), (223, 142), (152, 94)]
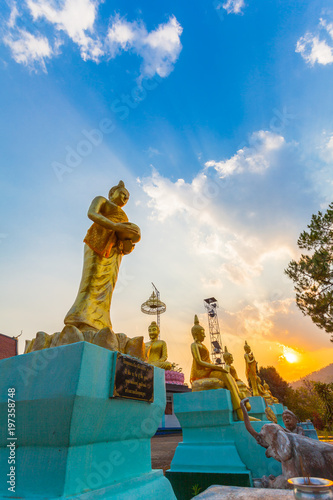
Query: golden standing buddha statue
[(251, 369), (109, 238), (156, 350), (205, 375)]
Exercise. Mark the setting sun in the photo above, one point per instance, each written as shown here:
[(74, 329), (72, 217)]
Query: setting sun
[(289, 354), (291, 357)]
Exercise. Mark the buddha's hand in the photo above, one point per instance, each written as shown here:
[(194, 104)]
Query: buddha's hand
[(221, 369), (128, 231), (128, 247)]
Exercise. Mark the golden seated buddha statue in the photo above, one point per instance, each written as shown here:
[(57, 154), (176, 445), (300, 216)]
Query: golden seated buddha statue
[(205, 375), (244, 390), (156, 350), (269, 395)]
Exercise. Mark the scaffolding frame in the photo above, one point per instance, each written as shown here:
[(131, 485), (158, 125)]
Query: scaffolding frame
[(216, 348)]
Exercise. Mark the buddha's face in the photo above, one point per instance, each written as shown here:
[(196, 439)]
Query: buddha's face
[(229, 359), (153, 331), (289, 421), (200, 336), (120, 197), (247, 349)]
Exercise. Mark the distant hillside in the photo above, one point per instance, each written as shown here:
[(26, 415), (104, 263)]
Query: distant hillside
[(323, 375)]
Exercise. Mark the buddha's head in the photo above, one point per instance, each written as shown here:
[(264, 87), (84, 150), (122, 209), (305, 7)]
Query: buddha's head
[(227, 356), (119, 194), (153, 330), (198, 332), (289, 419), (247, 348)]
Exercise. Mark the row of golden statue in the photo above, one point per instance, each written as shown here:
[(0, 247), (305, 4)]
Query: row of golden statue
[(109, 238)]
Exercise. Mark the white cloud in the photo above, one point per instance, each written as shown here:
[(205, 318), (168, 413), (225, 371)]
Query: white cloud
[(122, 35), (153, 152), (327, 26), (167, 198), (239, 272), (159, 48), (315, 49), (234, 6), (328, 150), (76, 18), (325, 148), (12, 18), (162, 48), (241, 243), (29, 49), (255, 159)]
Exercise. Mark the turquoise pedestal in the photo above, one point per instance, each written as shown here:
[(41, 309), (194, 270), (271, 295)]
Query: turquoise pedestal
[(278, 410), (258, 409), (72, 439), (216, 449)]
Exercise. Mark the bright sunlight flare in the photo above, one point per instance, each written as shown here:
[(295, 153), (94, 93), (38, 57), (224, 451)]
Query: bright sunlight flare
[(289, 354)]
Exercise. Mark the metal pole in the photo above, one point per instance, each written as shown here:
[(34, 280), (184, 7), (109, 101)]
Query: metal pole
[(157, 310)]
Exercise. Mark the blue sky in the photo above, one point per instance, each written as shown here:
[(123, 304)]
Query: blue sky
[(218, 117)]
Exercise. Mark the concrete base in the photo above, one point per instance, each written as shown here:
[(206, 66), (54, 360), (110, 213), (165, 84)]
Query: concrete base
[(146, 486), (72, 439), (258, 407), (216, 444), (278, 410), (232, 493)]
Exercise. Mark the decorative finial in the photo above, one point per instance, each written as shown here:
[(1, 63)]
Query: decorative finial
[(226, 354), (196, 328)]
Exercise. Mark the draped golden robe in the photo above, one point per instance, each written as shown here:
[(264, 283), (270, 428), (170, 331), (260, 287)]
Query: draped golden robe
[(198, 371), (102, 258)]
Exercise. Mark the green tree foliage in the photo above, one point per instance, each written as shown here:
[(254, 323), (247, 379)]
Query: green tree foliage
[(306, 404), (313, 273), (325, 392), (278, 387)]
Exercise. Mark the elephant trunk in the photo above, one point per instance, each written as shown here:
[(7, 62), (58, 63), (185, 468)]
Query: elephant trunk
[(247, 423)]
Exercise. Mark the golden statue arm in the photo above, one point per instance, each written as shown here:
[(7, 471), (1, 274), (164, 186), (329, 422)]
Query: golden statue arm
[(95, 215), (164, 355), (249, 360), (123, 230), (196, 355)]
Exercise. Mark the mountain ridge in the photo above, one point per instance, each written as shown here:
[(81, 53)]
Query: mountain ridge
[(323, 375)]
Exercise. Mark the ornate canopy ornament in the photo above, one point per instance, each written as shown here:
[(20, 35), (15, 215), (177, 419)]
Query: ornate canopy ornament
[(153, 305)]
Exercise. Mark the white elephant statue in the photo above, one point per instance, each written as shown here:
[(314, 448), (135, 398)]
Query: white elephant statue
[(294, 451)]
